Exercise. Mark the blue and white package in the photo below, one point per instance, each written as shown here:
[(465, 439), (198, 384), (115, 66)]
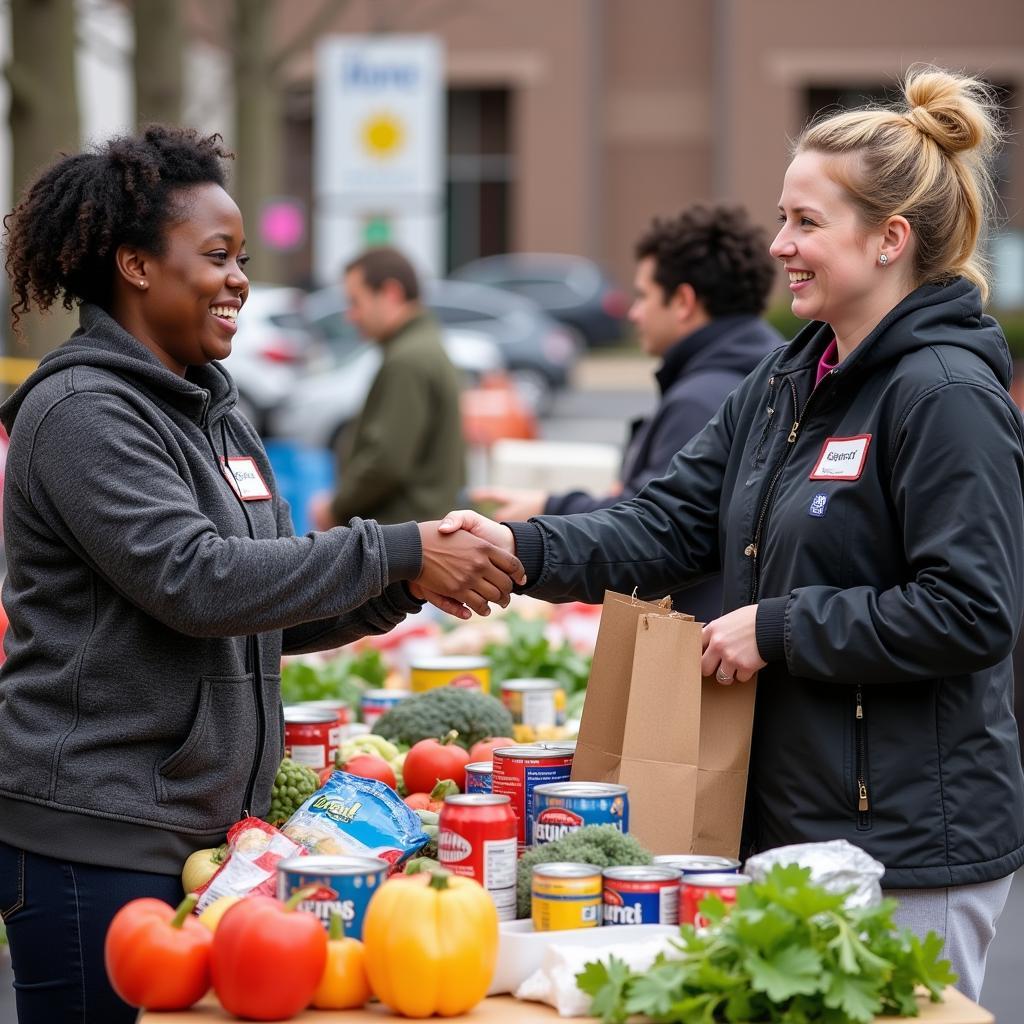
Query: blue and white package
[(349, 816)]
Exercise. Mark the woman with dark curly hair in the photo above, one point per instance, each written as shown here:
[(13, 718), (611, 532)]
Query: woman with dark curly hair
[(862, 493), (154, 578)]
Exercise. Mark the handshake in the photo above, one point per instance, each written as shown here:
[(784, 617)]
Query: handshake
[(469, 562)]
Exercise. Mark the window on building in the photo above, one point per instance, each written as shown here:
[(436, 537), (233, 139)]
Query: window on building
[(480, 173)]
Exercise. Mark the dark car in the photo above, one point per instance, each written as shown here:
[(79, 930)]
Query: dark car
[(574, 290), (539, 352)]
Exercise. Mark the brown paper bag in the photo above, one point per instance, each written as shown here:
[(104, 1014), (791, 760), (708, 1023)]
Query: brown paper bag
[(681, 744)]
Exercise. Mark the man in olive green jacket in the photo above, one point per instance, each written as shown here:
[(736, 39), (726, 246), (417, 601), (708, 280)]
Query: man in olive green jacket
[(404, 457)]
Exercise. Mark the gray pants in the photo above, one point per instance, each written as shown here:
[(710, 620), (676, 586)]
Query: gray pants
[(965, 915)]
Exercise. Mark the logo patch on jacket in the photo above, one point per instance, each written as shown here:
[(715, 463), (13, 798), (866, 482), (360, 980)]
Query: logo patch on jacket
[(842, 458), (818, 504), (245, 479)]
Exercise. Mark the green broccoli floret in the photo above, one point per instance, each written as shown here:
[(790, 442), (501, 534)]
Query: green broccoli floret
[(604, 846), (474, 715)]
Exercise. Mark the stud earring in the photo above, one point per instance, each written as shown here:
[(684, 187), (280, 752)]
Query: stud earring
[(142, 284), (883, 259)]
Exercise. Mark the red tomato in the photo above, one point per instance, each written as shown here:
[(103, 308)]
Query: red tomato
[(325, 773), (267, 958), (369, 766), (483, 750), (431, 760)]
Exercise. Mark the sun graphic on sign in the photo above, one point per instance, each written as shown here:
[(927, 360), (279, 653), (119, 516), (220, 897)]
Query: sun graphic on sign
[(383, 135)]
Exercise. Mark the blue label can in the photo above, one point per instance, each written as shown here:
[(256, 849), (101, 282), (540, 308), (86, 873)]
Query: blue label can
[(343, 884), (563, 807), (641, 895), (478, 776)]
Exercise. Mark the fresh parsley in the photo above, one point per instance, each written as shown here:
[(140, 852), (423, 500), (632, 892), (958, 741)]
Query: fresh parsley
[(789, 951)]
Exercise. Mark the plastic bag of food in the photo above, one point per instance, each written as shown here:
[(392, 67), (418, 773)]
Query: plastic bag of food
[(836, 866), (254, 851), (356, 817)]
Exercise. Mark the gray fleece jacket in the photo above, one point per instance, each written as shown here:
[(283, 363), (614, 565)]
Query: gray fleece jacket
[(149, 604)]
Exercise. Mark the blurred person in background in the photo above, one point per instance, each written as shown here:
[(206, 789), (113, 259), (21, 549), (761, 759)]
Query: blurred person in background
[(404, 457), (154, 578), (702, 281), (862, 493)]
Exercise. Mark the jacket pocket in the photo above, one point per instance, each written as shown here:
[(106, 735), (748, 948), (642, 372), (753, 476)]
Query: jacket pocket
[(861, 774), (12, 881), (204, 780)]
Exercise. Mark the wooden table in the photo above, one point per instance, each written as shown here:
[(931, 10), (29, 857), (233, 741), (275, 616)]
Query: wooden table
[(957, 1009)]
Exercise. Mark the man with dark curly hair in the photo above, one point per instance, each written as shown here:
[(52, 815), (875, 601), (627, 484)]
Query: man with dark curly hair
[(702, 281)]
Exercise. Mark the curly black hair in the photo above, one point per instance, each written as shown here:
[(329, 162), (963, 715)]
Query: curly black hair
[(62, 236), (719, 252)]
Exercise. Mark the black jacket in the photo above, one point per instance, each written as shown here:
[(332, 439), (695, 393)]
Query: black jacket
[(694, 379), (888, 602)]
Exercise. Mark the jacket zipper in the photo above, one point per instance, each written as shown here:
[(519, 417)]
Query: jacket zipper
[(752, 550), (861, 768), (770, 410)]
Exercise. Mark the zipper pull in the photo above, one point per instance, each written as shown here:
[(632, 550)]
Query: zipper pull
[(862, 803), (750, 551), (860, 707), (793, 431)]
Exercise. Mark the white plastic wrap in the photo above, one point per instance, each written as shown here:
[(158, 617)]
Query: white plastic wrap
[(836, 866)]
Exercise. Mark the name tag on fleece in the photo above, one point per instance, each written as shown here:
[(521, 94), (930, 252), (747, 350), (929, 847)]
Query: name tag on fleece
[(241, 473), (842, 458)]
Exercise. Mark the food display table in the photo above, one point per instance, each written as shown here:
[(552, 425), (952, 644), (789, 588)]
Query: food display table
[(957, 1009)]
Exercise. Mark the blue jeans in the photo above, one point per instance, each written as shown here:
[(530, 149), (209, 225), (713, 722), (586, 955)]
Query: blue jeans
[(57, 913)]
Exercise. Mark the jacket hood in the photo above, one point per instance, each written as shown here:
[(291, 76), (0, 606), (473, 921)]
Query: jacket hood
[(203, 394), (933, 314), (734, 344)]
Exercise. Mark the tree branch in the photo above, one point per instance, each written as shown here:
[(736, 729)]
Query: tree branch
[(329, 10)]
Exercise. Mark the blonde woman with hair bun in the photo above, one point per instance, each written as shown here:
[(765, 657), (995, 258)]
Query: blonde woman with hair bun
[(862, 495)]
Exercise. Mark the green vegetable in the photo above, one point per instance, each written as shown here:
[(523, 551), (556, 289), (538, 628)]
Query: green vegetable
[(346, 677), (294, 783), (789, 951), (528, 654), (604, 846), (429, 822), (472, 714)]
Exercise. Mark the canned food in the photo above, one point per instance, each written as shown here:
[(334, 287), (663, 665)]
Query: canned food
[(696, 887), (467, 672), (569, 745), (538, 703), (478, 777), (477, 838), (338, 706), (698, 864), (345, 884), (517, 773), (565, 895), (310, 736), (375, 702), (563, 807), (641, 895)]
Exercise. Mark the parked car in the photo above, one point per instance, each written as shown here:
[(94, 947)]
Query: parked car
[(573, 290), (269, 350), (539, 353), (341, 368)]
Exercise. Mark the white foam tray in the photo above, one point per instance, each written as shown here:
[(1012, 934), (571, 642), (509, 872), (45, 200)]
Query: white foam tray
[(521, 949)]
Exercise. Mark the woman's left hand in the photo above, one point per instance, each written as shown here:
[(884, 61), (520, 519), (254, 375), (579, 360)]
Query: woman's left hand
[(730, 647)]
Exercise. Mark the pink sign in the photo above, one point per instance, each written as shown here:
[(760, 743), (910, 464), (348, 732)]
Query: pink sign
[(283, 223)]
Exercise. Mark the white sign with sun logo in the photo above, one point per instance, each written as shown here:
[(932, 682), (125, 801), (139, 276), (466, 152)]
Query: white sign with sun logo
[(379, 117)]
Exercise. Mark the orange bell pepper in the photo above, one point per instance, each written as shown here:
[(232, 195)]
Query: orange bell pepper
[(156, 956), (344, 984)]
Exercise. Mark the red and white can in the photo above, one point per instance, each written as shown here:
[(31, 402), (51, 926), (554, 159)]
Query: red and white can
[(344, 717), (519, 770), (696, 887), (477, 838), (310, 736)]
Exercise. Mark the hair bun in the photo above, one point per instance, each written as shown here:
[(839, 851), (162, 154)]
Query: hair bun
[(952, 110)]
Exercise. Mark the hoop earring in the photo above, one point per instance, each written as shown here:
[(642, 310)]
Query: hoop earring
[(883, 258)]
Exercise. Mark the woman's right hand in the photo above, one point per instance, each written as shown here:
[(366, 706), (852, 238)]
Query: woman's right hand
[(462, 566)]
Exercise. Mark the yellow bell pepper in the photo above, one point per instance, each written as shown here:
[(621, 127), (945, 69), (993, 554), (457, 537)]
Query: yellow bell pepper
[(344, 985), (431, 943)]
